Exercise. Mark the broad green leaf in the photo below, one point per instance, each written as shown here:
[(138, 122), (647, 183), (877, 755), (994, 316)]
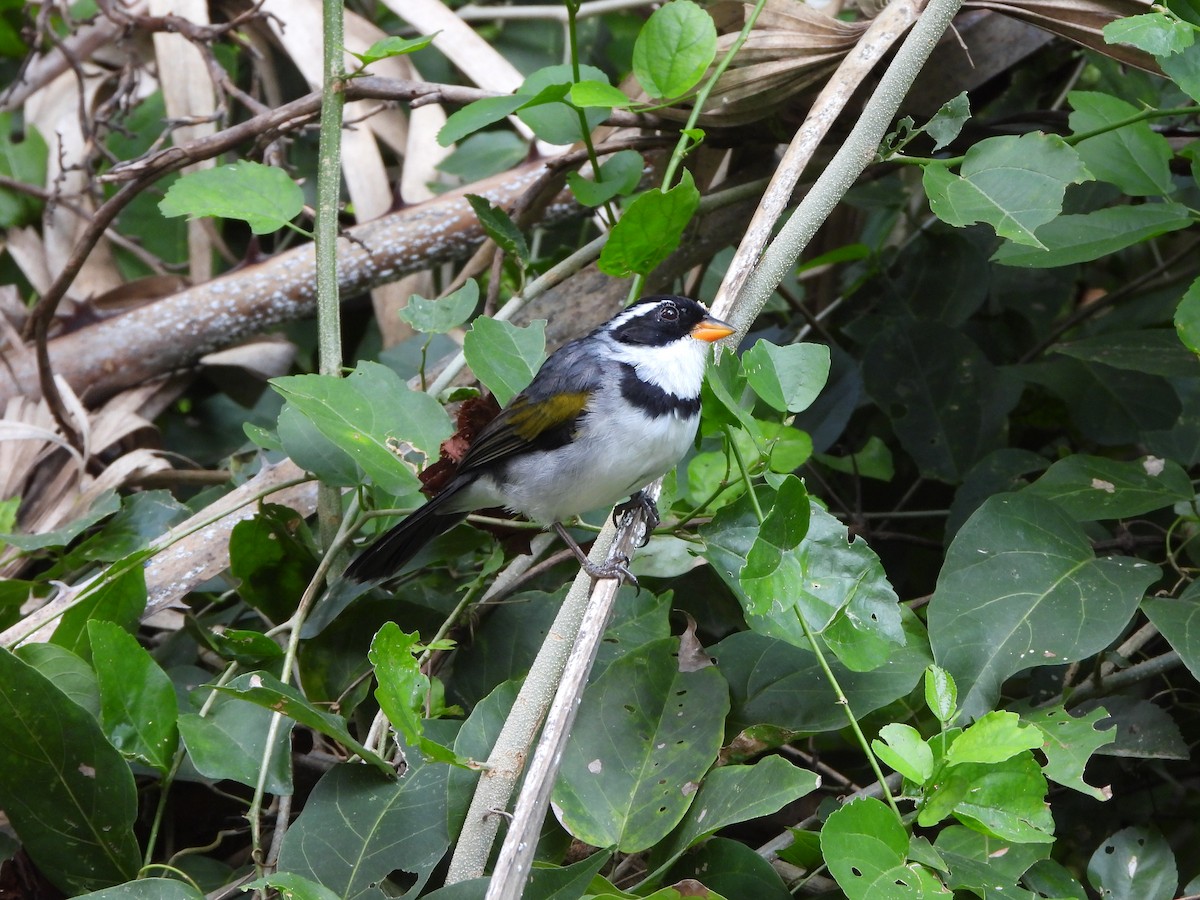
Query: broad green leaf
[(619, 175), (645, 732), (65, 789), (674, 48), (993, 738), (393, 45), (250, 649), (316, 454), (271, 561), (103, 507), (362, 412), (1082, 238), (903, 748), (1187, 317), (24, 161), (1006, 799), (941, 693), (119, 597), (229, 742), (1088, 488), (1154, 350), (598, 93), (983, 864), (787, 448), (265, 690), (147, 889), (1014, 184), (722, 867), (1157, 34), (1179, 622), (142, 518), (1134, 864), (1184, 69), (445, 313), (1049, 878), (499, 227), (948, 121), (1021, 587), (265, 197), (1070, 743), (1144, 731), (787, 378), (1134, 157), (733, 794), (70, 674), (358, 828), (478, 115), (482, 155), (403, 688), (503, 356), (865, 847), (650, 229), (138, 708), (554, 121), (774, 571)]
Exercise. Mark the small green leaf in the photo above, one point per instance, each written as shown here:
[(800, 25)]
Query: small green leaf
[(271, 560), (265, 197), (597, 93), (478, 115), (1184, 69), (1133, 157), (865, 847), (1156, 33), (874, 460), (1187, 317), (551, 119), (773, 570), (904, 750), (1014, 184), (1070, 742), (392, 45), (1134, 864), (941, 694), (674, 48), (24, 161), (482, 155), (993, 738), (229, 742), (444, 314), (1007, 799), (619, 175), (504, 356), (1089, 488), (119, 596), (650, 230), (948, 121), (1082, 238), (499, 227), (788, 378)]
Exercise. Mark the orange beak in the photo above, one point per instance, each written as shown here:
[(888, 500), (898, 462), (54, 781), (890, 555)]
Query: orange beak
[(710, 329)]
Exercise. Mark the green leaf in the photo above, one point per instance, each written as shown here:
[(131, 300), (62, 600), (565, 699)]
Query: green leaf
[(1014, 184), (1157, 34), (316, 454), (650, 230), (941, 693), (674, 48), (483, 155), (403, 688), (874, 460), (272, 562), (479, 114), (499, 227), (598, 93), (865, 847), (392, 45), (103, 507), (21, 160), (1184, 69), (503, 356), (1070, 743), (265, 197), (142, 518), (993, 738), (723, 867), (64, 788), (265, 690), (948, 121), (1088, 488), (147, 889), (1133, 157), (620, 174), (1154, 350), (1049, 878), (554, 121), (444, 314), (230, 740), (903, 748), (1006, 799), (1134, 864), (357, 829), (645, 735), (985, 865), (362, 412), (137, 700), (788, 378), (773, 570), (70, 674), (119, 597), (1021, 587), (1187, 317), (1082, 238), (1179, 622)]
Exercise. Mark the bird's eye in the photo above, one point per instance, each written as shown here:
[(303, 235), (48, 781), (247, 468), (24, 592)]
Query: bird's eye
[(669, 313)]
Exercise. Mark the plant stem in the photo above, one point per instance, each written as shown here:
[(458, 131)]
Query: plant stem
[(737, 454)]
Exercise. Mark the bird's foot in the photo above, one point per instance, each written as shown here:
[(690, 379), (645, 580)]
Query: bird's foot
[(639, 501), (617, 568)]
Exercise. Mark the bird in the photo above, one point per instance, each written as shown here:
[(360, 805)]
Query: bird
[(605, 415)]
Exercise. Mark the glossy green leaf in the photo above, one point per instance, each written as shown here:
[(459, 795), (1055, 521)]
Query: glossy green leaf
[(1179, 622), (1187, 317), (229, 742), (362, 412), (403, 688), (137, 700), (1014, 184), (147, 889), (265, 197), (1144, 730), (479, 114), (1021, 587), (948, 121), (983, 864), (271, 560), (499, 227), (443, 314), (119, 597), (1006, 799), (103, 507), (788, 378), (1082, 238), (874, 460), (645, 735), (393, 45), (65, 789), (1184, 69), (1133, 157), (865, 847), (1156, 33), (650, 230), (70, 674), (902, 748), (1052, 879), (1070, 742), (1158, 351), (300, 439), (598, 93), (723, 867), (992, 738), (1134, 864), (941, 693), (358, 828), (504, 356), (774, 571), (674, 48), (480, 156), (552, 120), (620, 174), (143, 517), (1088, 488)]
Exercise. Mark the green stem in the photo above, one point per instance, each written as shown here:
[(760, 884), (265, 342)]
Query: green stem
[(737, 454)]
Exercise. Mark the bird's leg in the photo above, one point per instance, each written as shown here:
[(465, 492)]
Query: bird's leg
[(613, 568), (643, 501)]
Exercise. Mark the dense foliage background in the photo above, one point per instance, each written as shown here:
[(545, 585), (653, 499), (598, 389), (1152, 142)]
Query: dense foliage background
[(921, 616)]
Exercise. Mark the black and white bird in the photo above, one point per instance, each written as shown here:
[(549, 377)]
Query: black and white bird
[(605, 415)]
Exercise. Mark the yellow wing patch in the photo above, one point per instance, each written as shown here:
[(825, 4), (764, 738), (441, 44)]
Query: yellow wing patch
[(530, 420)]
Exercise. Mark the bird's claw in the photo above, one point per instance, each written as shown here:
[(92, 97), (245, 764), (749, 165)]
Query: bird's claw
[(639, 501), (617, 567)]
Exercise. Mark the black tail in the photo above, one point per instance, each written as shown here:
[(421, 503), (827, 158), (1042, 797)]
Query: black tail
[(385, 557)]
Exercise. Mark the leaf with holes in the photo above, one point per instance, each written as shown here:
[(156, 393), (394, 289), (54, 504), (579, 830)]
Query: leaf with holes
[(1134, 864), (866, 847), (1070, 742)]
